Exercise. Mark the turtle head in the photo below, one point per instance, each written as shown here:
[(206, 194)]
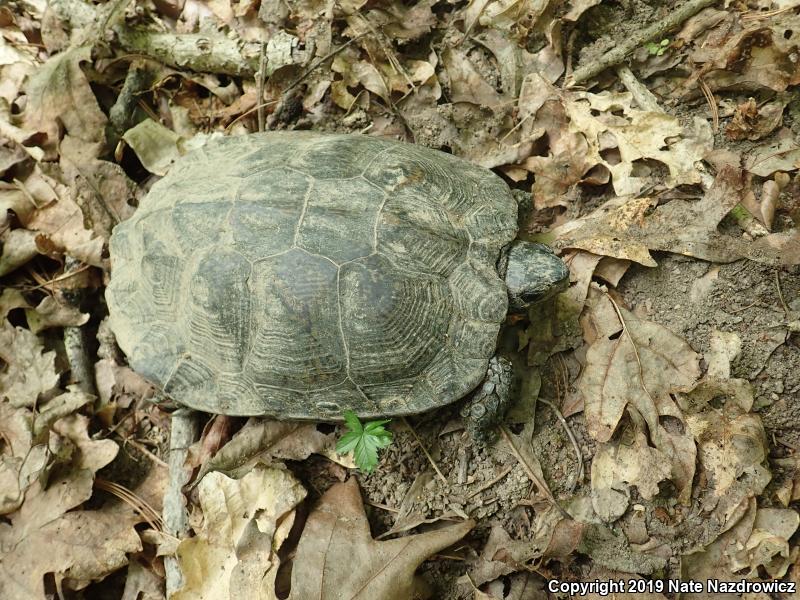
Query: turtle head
[(532, 273)]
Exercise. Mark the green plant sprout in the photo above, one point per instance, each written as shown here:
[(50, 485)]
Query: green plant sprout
[(657, 49), (363, 441)]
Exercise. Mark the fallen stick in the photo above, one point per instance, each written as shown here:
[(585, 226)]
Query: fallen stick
[(657, 30)]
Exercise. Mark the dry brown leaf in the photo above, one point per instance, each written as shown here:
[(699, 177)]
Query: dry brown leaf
[(508, 14), (713, 562), (100, 188), (638, 368), (780, 154), (759, 56), (58, 92), (262, 439), (727, 445), (245, 521), (155, 146), (17, 247), (61, 220), (502, 555), (768, 544), (30, 370), (466, 84), (592, 135), (11, 298), (617, 466), (629, 228), (46, 537), (751, 122), (338, 559)]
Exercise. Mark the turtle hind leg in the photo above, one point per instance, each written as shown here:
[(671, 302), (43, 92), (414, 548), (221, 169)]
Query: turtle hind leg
[(487, 406)]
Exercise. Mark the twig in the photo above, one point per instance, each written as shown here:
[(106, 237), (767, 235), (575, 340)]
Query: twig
[(643, 97), (657, 30), (262, 67), (543, 487), (572, 439), (81, 366), (184, 431), (490, 483), (712, 103), (425, 451), (780, 292)]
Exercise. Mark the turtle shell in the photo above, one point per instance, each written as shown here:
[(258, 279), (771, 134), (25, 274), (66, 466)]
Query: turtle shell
[(299, 275)]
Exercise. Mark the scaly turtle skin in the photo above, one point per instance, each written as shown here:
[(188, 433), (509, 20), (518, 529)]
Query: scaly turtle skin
[(299, 275)]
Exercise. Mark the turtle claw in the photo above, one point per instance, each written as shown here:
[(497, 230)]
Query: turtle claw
[(485, 409)]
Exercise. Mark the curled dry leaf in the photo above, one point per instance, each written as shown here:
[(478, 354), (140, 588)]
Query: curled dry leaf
[(751, 122), (268, 440), (337, 557), (245, 521), (768, 544), (54, 313)]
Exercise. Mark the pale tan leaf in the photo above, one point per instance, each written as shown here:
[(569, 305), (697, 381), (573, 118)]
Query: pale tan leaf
[(61, 220), (52, 313), (17, 247), (30, 370), (466, 84), (618, 466), (234, 555), (156, 146), (768, 544), (337, 557), (780, 154)]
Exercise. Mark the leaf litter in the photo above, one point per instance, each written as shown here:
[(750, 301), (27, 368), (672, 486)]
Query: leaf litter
[(671, 191)]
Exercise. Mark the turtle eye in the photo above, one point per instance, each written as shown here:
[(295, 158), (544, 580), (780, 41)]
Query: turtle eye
[(530, 297)]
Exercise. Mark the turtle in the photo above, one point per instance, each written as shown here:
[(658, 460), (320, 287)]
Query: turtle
[(300, 275)]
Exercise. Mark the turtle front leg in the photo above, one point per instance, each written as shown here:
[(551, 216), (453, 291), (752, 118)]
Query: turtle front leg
[(487, 406)]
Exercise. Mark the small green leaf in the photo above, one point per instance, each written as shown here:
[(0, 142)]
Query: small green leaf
[(364, 441)]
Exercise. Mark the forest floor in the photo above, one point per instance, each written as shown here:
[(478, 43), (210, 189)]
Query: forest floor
[(655, 434)]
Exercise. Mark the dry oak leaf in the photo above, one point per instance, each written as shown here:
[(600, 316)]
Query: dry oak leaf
[(245, 522), (337, 559), (639, 367), (45, 536), (60, 93), (62, 221), (629, 228), (618, 466), (29, 370)]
